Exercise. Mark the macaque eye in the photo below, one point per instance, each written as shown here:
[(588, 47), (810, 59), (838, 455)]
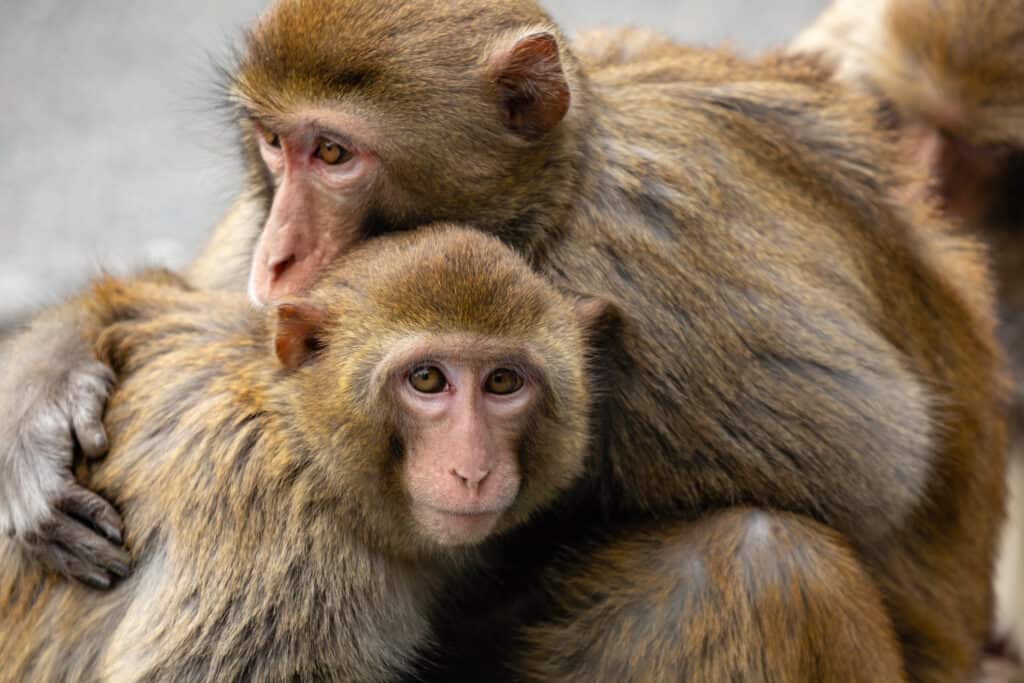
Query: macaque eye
[(271, 138), (331, 153), (503, 381), (428, 379)]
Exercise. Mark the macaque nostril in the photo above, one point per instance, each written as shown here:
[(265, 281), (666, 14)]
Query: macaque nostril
[(470, 481), (279, 268)]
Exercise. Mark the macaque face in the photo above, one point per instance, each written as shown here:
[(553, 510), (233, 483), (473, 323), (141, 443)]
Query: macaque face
[(439, 387), (323, 167), (362, 118), (463, 418)]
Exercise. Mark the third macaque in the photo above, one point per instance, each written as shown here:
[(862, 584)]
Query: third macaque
[(949, 77)]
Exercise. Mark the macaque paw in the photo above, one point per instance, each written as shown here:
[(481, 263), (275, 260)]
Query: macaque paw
[(79, 537), (68, 528)]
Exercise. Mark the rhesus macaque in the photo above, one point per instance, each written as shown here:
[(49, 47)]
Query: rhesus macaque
[(295, 485), (950, 76), (806, 351)]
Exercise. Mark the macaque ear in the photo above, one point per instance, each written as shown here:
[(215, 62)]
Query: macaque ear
[(300, 334), (598, 317), (532, 87), (955, 171)]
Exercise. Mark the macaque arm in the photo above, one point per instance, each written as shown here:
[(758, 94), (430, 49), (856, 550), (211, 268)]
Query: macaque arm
[(52, 406)]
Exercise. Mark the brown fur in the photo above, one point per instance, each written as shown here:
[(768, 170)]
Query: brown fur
[(956, 68), (801, 606), (798, 336), (950, 76), (271, 537), (619, 45)]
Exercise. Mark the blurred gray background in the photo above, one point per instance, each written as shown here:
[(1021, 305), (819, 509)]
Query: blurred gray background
[(113, 153)]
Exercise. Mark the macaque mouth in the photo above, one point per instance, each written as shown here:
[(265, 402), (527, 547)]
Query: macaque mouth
[(456, 527), (468, 512)]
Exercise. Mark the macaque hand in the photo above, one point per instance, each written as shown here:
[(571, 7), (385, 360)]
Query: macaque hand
[(54, 398)]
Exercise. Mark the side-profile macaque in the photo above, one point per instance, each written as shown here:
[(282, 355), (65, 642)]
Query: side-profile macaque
[(806, 351), (950, 77), (296, 485)]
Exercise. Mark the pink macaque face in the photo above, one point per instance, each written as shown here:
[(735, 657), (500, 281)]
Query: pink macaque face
[(323, 168), (463, 423)]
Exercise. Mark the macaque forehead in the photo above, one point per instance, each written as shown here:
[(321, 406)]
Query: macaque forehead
[(320, 49), (448, 278), (343, 122)]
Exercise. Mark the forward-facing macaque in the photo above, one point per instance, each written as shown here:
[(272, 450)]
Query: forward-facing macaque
[(950, 77), (296, 485), (805, 354)]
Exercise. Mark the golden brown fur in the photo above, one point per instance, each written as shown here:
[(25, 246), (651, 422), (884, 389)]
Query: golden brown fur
[(611, 46), (271, 538), (950, 79), (800, 335), (797, 334), (772, 573), (954, 64)]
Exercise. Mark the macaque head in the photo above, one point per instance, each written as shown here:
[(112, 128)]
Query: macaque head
[(440, 385), (362, 117), (951, 75), (961, 105)]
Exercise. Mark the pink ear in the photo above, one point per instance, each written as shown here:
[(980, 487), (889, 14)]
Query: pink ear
[(595, 312), (531, 85), (299, 334), (600, 320)]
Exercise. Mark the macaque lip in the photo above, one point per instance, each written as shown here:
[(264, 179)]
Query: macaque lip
[(456, 527), (465, 512)]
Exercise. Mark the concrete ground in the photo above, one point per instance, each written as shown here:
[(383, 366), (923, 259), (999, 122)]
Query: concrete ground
[(113, 153)]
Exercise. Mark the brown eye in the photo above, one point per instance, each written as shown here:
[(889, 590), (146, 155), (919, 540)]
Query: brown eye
[(331, 153), (503, 381), (428, 379), (270, 138)]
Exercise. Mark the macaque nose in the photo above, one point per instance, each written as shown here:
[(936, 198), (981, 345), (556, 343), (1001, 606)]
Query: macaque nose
[(471, 478)]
